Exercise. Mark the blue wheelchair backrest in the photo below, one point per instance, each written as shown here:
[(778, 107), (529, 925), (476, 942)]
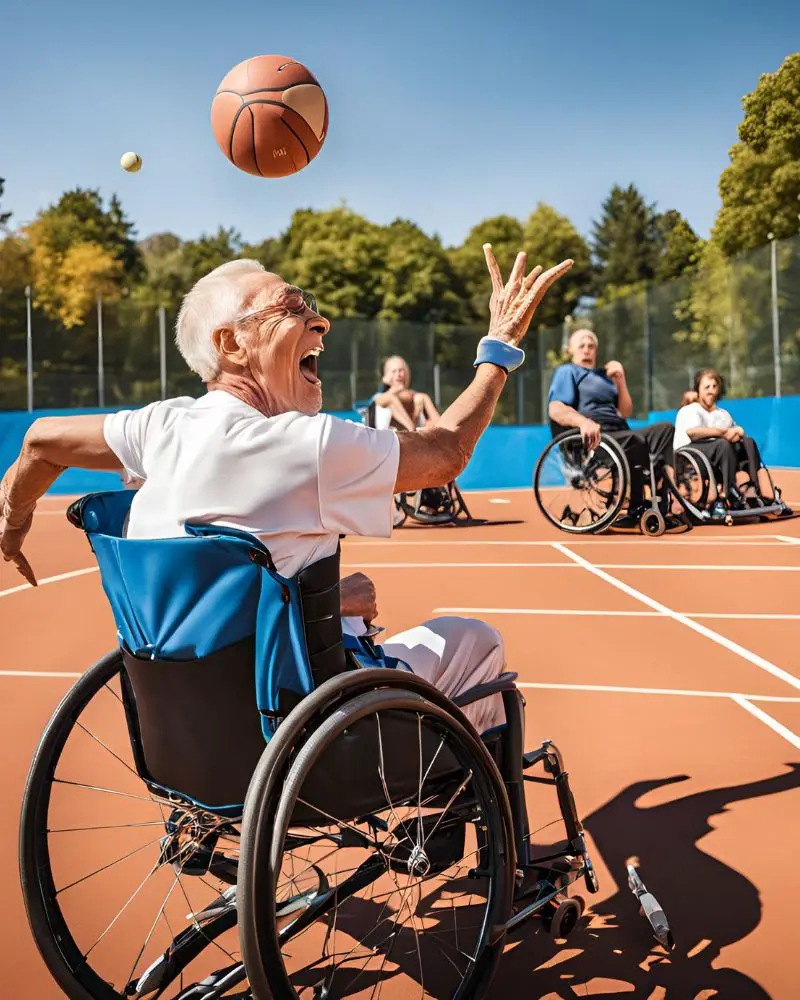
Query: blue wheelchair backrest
[(187, 598)]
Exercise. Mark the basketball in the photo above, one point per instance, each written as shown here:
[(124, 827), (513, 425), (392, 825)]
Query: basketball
[(270, 116)]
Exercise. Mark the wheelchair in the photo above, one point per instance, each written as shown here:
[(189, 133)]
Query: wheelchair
[(698, 485), (584, 492), (435, 505), (241, 802)]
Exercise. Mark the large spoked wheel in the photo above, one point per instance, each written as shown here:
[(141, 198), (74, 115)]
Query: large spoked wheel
[(127, 894), (694, 478), (578, 492), (376, 851)]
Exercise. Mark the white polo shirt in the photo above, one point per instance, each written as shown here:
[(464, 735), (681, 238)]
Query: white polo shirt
[(695, 415), (297, 482)]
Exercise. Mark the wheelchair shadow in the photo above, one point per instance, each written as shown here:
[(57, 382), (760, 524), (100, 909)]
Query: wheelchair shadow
[(709, 905)]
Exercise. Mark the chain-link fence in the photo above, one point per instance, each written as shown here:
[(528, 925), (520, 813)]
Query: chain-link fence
[(740, 316)]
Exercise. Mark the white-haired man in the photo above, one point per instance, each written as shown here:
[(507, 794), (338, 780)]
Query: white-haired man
[(256, 453)]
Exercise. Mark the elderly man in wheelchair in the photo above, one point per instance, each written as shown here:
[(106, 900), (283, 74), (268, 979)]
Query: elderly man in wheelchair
[(326, 812), (593, 476), (395, 406)]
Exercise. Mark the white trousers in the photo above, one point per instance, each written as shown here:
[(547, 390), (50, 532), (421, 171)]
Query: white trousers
[(455, 654)]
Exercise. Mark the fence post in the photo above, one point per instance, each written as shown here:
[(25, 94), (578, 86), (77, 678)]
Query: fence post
[(776, 329), (520, 397), (353, 369), (30, 347), (542, 377), (162, 349), (101, 386), (437, 386), (648, 355)]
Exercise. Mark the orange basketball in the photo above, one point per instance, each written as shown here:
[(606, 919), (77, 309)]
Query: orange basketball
[(270, 116)]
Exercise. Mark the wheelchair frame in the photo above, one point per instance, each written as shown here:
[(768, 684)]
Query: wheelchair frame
[(701, 511)]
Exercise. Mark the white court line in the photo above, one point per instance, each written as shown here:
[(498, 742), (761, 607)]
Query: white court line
[(768, 720), (678, 692), (566, 565), (721, 640), (789, 539), (612, 614), (49, 579), (36, 673), (600, 542)]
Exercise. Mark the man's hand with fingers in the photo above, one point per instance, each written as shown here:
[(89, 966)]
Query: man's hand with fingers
[(13, 532), (511, 306)]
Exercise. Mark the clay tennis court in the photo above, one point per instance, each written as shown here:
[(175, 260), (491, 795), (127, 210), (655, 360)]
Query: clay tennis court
[(665, 669)]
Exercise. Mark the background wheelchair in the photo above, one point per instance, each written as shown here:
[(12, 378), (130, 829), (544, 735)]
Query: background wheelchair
[(586, 493), (697, 483), (437, 505), (317, 820)]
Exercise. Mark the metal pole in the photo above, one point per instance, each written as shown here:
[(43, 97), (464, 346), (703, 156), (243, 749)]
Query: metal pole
[(542, 374), (437, 386), (162, 349), (30, 349), (648, 355), (520, 397), (776, 329), (101, 387), (353, 368)]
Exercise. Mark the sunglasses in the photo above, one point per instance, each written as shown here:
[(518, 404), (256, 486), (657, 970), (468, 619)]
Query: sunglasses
[(294, 300)]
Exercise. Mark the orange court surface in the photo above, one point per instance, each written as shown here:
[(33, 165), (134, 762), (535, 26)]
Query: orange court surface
[(666, 670)]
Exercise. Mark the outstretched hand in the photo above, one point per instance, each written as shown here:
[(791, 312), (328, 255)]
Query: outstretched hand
[(511, 306), (12, 536)]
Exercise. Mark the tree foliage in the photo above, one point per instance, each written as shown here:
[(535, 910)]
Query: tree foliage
[(506, 236), (680, 247), (626, 240), (549, 237), (4, 216), (760, 190)]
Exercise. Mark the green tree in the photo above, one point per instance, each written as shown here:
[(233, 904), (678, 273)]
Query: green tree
[(419, 282), (680, 246), (270, 252), (549, 238), (760, 190), (209, 251), (626, 240), (505, 235), (339, 256)]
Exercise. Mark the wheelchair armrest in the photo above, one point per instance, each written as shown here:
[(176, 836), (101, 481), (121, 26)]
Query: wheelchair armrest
[(505, 682)]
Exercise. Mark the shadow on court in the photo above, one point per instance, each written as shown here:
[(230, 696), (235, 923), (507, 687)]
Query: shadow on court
[(709, 905)]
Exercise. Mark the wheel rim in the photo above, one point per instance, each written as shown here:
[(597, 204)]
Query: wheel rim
[(579, 494), (103, 858), (414, 869)]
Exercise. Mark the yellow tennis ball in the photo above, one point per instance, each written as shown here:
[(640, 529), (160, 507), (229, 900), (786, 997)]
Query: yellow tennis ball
[(131, 162)]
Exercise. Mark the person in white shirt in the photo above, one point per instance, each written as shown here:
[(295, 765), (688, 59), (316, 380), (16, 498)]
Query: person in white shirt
[(256, 453), (711, 429)]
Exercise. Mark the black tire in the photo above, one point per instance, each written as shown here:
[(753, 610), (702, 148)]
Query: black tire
[(652, 523), (566, 916), (577, 470), (57, 928), (271, 807)]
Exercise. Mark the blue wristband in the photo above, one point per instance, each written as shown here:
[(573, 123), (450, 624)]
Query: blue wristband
[(498, 352)]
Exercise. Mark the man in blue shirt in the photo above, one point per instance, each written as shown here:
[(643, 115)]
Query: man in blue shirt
[(595, 400)]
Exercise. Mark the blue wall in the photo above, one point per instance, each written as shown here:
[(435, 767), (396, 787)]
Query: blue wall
[(505, 455)]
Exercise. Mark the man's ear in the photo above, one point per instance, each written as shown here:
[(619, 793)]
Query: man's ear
[(228, 348)]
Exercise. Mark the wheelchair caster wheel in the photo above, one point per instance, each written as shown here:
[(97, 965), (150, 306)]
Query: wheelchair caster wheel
[(728, 521), (652, 523), (566, 916)]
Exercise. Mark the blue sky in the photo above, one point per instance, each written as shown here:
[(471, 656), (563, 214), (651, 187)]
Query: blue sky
[(442, 112)]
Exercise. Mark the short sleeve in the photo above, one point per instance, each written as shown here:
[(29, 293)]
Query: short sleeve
[(563, 388), (726, 420), (687, 418), (357, 475), (126, 434)]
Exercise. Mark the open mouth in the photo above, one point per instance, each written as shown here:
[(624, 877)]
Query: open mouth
[(308, 365)]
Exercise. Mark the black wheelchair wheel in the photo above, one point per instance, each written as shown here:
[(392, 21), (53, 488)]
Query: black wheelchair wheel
[(693, 478), (378, 848), (580, 493), (122, 889)]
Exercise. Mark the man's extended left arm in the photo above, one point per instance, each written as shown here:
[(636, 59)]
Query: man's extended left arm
[(51, 445)]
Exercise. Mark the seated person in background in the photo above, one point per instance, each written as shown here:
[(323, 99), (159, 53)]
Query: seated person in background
[(710, 429), (690, 396), (597, 399), (397, 405)]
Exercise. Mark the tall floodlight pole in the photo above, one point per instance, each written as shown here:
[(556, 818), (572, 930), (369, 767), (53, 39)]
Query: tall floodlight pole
[(776, 328)]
